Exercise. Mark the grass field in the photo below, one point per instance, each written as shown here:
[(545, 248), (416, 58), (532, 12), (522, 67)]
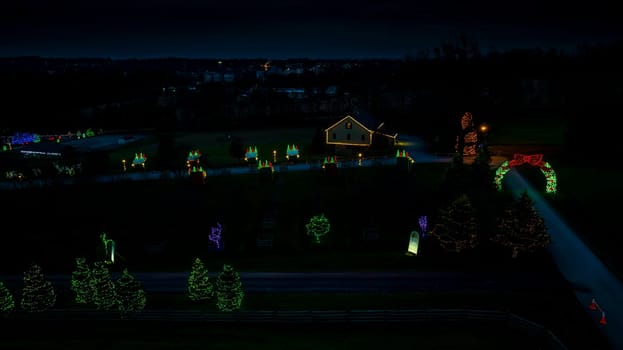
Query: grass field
[(156, 335), (63, 223)]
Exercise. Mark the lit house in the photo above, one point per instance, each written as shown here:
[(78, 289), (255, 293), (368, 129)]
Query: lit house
[(358, 131)]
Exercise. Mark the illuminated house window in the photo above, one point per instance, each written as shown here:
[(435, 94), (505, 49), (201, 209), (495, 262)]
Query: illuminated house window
[(363, 137), (348, 136), (349, 125), (334, 136)]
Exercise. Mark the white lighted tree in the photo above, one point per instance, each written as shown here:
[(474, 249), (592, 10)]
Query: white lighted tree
[(456, 227), (318, 227), (521, 228)]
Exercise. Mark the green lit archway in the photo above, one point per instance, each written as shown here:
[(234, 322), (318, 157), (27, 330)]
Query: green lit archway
[(532, 159)]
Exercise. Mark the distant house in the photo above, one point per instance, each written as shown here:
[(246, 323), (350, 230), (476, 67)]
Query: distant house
[(358, 130)]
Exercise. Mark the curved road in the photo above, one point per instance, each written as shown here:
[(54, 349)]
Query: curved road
[(579, 265)]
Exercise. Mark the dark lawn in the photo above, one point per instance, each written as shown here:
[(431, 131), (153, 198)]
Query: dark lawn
[(161, 335)]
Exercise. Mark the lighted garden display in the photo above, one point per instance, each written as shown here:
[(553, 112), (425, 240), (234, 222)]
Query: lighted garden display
[(521, 228), (81, 282), (265, 170), (251, 154), (456, 227), (414, 242), (318, 227), (403, 160), (216, 236), (7, 302), (130, 294), (292, 152), (103, 287), (109, 249), (192, 160), (533, 160), (329, 165), (139, 160), (199, 285), (466, 141), (423, 222), (228, 289), (198, 175), (38, 294), (22, 138)]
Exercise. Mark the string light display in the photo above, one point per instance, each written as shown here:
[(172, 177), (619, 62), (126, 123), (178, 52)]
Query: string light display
[(551, 181), (130, 294), (216, 237), (521, 228), (318, 227), (38, 294), (251, 153), (456, 228), (229, 292), (104, 292), (81, 282), (199, 285), (139, 160), (7, 302), (292, 152)]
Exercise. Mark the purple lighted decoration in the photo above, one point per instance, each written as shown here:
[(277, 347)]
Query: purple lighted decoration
[(215, 235), (422, 220)]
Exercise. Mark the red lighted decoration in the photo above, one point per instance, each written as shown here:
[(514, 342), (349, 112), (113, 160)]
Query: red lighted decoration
[(595, 307), (531, 159), (535, 160), (603, 318)]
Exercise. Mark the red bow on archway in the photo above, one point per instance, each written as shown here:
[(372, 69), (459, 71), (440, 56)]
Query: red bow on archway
[(532, 159)]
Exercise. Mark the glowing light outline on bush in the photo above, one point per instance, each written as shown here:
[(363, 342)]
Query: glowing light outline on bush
[(532, 159)]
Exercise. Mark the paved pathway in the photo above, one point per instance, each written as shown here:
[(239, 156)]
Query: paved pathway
[(579, 265)]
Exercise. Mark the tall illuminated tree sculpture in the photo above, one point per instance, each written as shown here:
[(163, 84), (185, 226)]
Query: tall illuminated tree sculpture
[(81, 282), (456, 227), (130, 294), (104, 292), (521, 228), (318, 227), (38, 294), (229, 292), (7, 303), (199, 285)]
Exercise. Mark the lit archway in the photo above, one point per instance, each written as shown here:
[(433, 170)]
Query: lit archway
[(533, 160)]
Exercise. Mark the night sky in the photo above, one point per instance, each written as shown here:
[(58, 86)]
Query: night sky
[(280, 29)]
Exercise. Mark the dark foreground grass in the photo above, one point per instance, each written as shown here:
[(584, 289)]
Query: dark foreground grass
[(158, 335)]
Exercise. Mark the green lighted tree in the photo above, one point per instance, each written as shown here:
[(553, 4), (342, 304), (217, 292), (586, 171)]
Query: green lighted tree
[(456, 227), (38, 294), (317, 227), (521, 228), (229, 292), (199, 285), (7, 303), (81, 282), (130, 294), (104, 293)]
